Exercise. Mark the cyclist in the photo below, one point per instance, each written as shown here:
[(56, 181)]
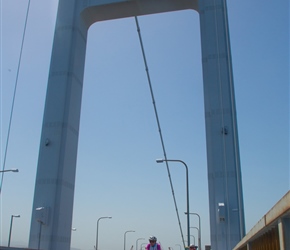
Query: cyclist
[(192, 247), (153, 245)]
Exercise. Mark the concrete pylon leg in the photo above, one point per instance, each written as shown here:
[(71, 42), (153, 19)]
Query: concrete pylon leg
[(224, 173), (55, 179)]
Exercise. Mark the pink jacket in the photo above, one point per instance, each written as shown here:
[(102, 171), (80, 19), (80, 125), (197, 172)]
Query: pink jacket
[(158, 246)]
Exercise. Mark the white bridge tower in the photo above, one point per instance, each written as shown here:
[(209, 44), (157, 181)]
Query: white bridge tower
[(55, 179)]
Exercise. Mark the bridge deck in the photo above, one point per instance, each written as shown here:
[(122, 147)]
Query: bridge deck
[(272, 230)]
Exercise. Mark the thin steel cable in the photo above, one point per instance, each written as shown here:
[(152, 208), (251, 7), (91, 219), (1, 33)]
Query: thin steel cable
[(158, 124), (14, 95)]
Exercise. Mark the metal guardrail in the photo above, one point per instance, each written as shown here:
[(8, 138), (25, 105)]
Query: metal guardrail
[(272, 232)]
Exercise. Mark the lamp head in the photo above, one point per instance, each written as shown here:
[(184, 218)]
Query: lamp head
[(159, 160)]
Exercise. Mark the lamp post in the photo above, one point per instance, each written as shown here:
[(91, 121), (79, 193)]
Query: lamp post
[(12, 216), (41, 222), (9, 170), (142, 246), (130, 231), (196, 229), (187, 193), (137, 242), (97, 233), (199, 231), (193, 239)]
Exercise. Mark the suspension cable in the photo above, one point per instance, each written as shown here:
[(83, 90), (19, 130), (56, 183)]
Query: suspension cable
[(158, 124), (14, 94)]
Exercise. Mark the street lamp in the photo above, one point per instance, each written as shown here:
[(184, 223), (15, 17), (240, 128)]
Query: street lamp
[(9, 170), (187, 193), (41, 222), (12, 216), (130, 231), (196, 229), (106, 217), (137, 242), (199, 227), (142, 246), (193, 239)]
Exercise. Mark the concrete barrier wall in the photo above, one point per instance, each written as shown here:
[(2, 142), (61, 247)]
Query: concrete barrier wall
[(272, 230)]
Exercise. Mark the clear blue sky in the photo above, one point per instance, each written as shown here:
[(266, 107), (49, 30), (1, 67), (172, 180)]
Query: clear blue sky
[(116, 170)]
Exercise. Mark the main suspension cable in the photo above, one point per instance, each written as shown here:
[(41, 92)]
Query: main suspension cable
[(158, 124), (14, 95)]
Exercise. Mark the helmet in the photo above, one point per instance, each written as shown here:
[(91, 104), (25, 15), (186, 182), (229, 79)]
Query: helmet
[(152, 238)]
